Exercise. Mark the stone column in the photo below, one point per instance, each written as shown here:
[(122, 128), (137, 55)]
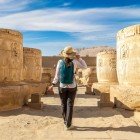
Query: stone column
[(106, 75), (11, 64), (32, 70), (127, 93), (32, 65), (11, 56)]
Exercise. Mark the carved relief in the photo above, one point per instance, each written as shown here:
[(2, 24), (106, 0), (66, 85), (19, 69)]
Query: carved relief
[(124, 52), (32, 64), (100, 62), (10, 55), (106, 67), (112, 63), (129, 55)]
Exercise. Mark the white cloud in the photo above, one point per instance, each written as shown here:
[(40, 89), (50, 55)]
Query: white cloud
[(51, 20), (11, 6), (95, 24)]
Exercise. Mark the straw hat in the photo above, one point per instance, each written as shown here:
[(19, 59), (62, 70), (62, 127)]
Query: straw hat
[(68, 52)]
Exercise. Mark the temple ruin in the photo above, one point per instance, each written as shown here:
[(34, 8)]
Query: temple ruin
[(114, 75)]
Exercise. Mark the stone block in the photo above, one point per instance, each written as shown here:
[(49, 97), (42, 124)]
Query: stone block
[(36, 105), (88, 90), (13, 96), (125, 96), (99, 88), (105, 104), (104, 90), (39, 87), (36, 98)]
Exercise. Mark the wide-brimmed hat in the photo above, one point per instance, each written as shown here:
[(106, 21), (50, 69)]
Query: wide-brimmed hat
[(68, 52)]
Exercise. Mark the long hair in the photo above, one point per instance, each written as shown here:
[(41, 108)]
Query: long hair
[(68, 61)]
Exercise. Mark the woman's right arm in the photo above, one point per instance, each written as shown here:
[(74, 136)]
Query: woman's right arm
[(56, 77)]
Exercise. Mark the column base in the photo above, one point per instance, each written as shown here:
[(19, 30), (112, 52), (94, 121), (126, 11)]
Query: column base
[(125, 96)]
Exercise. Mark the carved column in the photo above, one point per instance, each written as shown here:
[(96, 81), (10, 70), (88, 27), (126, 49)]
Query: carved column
[(106, 75), (11, 56), (127, 93)]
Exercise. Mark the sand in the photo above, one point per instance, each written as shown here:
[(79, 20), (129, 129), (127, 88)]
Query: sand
[(90, 122)]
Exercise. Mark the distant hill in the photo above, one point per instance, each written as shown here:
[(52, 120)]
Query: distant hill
[(93, 50)]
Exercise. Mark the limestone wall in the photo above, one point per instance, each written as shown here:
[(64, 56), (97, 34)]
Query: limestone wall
[(51, 61), (128, 55), (106, 66), (32, 65), (11, 56)]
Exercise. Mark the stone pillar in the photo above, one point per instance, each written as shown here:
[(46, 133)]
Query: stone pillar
[(11, 56), (13, 94), (106, 66), (126, 94), (32, 65), (32, 70), (106, 75)]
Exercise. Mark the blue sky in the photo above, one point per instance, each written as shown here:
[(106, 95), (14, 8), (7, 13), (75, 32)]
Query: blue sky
[(50, 25)]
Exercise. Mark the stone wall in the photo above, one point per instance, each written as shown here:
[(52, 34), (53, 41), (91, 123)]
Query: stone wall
[(49, 64), (51, 61)]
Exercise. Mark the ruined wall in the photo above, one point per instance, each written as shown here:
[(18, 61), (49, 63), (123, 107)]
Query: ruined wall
[(32, 65), (128, 55), (106, 66), (49, 64), (11, 56), (51, 61)]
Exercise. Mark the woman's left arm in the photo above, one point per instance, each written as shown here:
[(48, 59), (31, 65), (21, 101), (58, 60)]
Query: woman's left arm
[(80, 63)]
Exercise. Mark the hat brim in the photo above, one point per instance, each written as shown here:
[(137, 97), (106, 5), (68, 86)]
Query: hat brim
[(71, 55)]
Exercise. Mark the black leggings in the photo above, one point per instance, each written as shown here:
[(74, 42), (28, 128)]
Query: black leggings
[(67, 96)]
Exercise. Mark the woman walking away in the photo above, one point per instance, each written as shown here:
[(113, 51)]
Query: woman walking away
[(65, 72)]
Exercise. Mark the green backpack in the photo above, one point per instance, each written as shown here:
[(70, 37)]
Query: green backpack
[(66, 73)]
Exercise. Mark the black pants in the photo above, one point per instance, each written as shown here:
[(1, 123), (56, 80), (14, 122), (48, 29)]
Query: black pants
[(67, 96)]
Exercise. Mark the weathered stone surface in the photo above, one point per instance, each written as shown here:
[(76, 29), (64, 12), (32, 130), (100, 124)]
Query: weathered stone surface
[(13, 96), (32, 65), (88, 90), (51, 61), (36, 105), (104, 90), (127, 94), (127, 97), (88, 76), (37, 88), (46, 77), (106, 66), (11, 56), (36, 98), (128, 55), (137, 115)]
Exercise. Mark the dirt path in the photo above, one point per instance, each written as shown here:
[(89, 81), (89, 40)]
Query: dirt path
[(90, 122)]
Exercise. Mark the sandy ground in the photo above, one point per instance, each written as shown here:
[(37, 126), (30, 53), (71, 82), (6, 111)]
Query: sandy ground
[(90, 122)]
